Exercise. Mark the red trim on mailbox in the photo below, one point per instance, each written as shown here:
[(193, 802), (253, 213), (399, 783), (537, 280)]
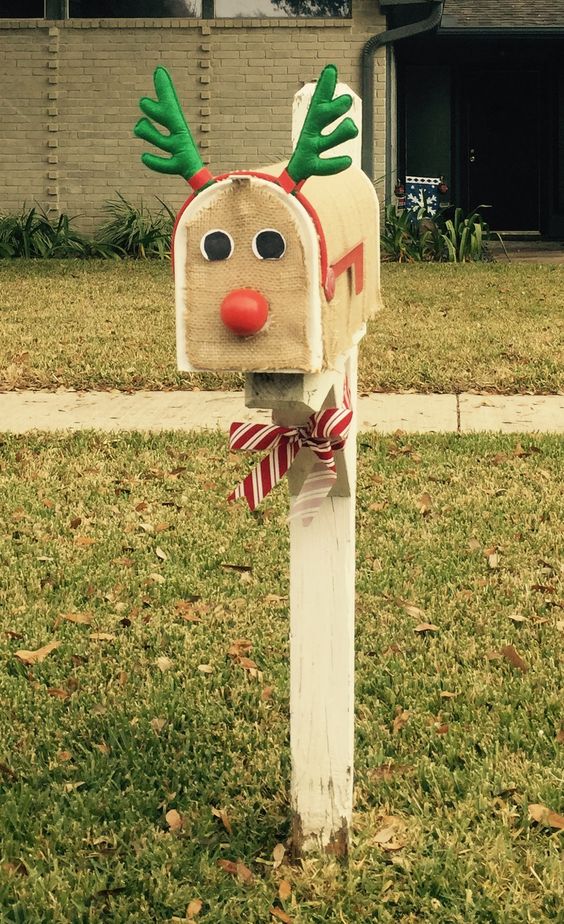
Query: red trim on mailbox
[(352, 259)]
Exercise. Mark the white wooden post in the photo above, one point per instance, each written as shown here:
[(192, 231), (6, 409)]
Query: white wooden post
[(322, 594)]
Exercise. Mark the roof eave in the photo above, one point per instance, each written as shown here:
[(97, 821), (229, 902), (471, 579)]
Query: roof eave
[(522, 31)]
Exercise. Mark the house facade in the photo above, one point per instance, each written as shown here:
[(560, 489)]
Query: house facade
[(479, 100), (468, 90), (72, 80)]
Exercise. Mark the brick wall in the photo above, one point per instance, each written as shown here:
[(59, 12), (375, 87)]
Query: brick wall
[(72, 90)]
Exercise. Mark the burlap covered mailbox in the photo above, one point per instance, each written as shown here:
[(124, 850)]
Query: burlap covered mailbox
[(276, 270)]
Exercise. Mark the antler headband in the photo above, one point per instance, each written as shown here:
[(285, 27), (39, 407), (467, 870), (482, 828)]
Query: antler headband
[(185, 159)]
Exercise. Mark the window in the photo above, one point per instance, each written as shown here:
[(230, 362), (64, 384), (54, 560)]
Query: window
[(176, 9), (22, 9), (237, 9), (134, 9)]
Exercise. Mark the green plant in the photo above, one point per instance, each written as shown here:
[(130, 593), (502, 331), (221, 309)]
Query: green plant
[(34, 234), (464, 238), (136, 231), (451, 237), (409, 237)]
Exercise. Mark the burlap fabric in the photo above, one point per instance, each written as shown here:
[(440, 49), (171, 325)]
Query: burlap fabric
[(348, 210), (243, 208)]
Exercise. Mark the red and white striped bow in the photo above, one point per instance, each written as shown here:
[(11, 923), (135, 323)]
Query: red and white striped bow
[(325, 433)]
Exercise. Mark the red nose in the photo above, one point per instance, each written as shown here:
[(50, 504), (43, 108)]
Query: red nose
[(244, 311)]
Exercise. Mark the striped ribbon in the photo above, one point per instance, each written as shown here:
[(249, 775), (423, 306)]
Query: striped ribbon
[(325, 433)]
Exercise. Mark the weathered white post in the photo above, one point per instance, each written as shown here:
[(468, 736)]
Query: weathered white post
[(279, 284), (322, 593), (322, 590)]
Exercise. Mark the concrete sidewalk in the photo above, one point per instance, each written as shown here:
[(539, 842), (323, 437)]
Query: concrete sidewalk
[(22, 412)]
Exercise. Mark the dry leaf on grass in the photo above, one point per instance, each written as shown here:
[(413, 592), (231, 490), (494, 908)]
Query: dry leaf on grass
[(205, 668), (35, 657), (544, 588), (278, 855), (103, 748), (240, 647), (84, 542), (238, 869), (58, 693), (390, 770), (101, 637), (284, 890), (425, 503), (164, 664), (391, 835), (447, 694), (545, 816), (280, 915), (247, 664), (514, 658), (157, 725), (161, 554), (193, 909), (79, 619), (414, 611), (424, 627), (223, 817), (401, 719), (174, 820)]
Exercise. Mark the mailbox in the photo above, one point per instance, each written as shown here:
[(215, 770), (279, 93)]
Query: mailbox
[(277, 269)]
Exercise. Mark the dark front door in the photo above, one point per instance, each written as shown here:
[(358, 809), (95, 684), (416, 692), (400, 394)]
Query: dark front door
[(500, 149)]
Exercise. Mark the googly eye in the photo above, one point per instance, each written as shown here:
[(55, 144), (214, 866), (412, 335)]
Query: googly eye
[(269, 244), (217, 245)]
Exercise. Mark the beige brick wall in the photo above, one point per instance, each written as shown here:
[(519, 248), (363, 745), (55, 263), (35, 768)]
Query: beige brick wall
[(72, 90)]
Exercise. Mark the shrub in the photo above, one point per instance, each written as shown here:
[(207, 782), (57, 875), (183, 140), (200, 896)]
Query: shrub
[(136, 232), (32, 233), (408, 237), (412, 237), (464, 238)]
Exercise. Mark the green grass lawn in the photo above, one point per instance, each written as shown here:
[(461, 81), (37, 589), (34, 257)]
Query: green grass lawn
[(485, 327), (140, 754)]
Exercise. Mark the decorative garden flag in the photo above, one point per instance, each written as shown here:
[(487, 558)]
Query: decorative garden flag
[(422, 193)]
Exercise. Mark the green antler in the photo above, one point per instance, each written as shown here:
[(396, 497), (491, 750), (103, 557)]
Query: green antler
[(323, 110), (185, 158)]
